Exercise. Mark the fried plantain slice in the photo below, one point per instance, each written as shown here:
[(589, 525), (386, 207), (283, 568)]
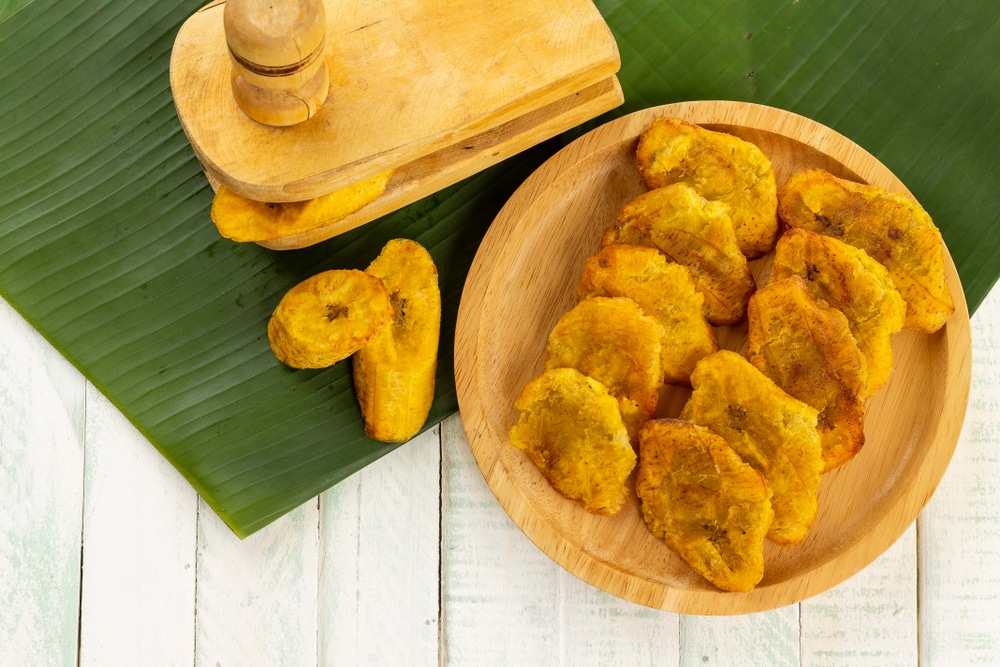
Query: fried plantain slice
[(696, 233), (570, 427), (721, 167), (664, 291), (710, 507), (328, 317), (807, 348), (610, 340), (853, 283), (893, 229), (394, 373), (773, 432), (242, 219)]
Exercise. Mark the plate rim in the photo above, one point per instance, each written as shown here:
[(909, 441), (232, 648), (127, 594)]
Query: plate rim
[(604, 575)]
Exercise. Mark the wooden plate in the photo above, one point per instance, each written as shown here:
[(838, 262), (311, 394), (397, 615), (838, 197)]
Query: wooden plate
[(524, 278)]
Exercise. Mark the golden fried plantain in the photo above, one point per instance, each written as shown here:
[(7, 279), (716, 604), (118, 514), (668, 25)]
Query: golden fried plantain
[(328, 317), (612, 341), (242, 219), (664, 291), (710, 507), (853, 283), (721, 167), (807, 348), (893, 229), (773, 432), (696, 233), (571, 429), (394, 373)]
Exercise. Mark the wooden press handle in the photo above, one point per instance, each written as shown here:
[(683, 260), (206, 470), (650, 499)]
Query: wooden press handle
[(277, 47)]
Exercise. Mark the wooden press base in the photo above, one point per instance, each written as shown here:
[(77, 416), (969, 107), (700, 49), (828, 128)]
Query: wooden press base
[(436, 90)]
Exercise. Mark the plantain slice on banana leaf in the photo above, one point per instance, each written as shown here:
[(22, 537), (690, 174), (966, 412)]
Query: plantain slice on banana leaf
[(394, 373), (327, 318)]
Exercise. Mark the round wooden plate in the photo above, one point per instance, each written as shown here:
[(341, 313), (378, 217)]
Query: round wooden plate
[(524, 278)]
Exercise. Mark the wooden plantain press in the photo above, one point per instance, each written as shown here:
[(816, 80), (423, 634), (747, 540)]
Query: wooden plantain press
[(288, 100)]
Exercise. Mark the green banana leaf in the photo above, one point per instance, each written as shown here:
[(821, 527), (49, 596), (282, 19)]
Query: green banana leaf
[(107, 249)]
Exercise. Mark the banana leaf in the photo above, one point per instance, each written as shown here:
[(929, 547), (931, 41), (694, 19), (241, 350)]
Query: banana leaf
[(107, 249)]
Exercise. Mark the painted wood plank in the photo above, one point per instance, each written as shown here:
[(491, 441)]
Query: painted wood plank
[(41, 492), (137, 601), (766, 638), (870, 619), (507, 603), (595, 628), (500, 592), (959, 531), (256, 598), (378, 578)]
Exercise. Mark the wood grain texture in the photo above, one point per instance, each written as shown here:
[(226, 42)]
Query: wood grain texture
[(139, 531), (407, 80), (959, 532), (41, 495), (379, 545), (524, 278), (595, 628), (499, 593), (870, 619), (257, 598), (765, 638)]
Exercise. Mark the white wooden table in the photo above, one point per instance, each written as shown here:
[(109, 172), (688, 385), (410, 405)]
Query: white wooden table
[(108, 557)]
